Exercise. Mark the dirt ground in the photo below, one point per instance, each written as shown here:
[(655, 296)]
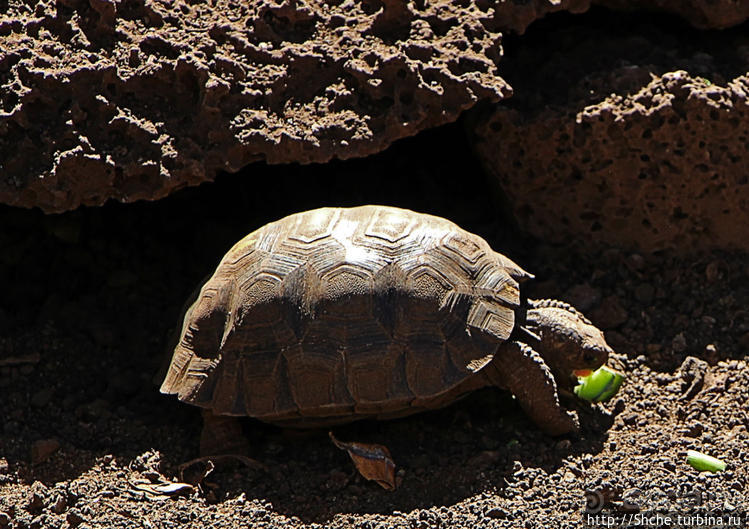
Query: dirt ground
[(89, 300)]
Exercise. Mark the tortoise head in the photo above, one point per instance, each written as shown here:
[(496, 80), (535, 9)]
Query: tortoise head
[(568, 341)]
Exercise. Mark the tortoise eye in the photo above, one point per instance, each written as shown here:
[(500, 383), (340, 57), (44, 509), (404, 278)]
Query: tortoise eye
[(589, 358)]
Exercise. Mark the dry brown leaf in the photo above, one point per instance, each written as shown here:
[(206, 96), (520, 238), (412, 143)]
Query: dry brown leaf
[(156, 491), (373, 461)]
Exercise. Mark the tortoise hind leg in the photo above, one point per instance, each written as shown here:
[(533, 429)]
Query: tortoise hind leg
[(520, 369), (222, 435)]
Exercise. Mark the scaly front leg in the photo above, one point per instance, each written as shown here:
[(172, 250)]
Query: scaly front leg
[(520, 369)]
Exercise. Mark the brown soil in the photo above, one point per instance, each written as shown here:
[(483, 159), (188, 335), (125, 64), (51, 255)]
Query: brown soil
[(89, 298)]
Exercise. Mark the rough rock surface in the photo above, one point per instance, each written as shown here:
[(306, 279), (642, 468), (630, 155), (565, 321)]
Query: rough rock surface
[(622, 151), (131, 100)]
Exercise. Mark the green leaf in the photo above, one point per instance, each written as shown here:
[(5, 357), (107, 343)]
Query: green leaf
[(702, 462), (599, 386)]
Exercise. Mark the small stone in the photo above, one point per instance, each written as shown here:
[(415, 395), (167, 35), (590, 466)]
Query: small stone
[(4, 467), (484, 459), (583, 297), (692, 373), (42, 449), (152, 476), (497, 513), (635, 262), (74, 518), (36, 497), (713, 271), (58, 505), (610, 314), (711, 350), (679, 343)]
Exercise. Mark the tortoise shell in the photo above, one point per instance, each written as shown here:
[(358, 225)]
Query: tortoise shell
[(337, 314)]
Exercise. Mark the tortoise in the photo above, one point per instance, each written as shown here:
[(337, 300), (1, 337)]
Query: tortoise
[(339, 314)]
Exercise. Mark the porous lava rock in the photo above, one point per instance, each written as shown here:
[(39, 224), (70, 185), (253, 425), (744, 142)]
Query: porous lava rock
[(132, 99), (663, 166)]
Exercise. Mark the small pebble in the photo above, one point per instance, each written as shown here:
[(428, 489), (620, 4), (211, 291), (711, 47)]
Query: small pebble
[(635, 261), (610, 314), (152, 476), (713, 271), (36, 497), (583, 297), (484, 459), (497, 513), (74, 518), (679, 343), (59, 504), (42, 449)]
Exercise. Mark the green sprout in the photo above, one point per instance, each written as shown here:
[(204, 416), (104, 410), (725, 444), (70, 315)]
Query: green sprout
[(702, 462), (599, 386)]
